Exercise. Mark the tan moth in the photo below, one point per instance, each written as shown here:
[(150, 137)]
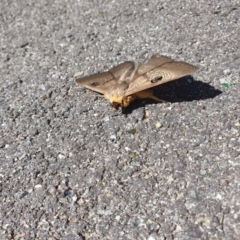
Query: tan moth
[(128, 81)]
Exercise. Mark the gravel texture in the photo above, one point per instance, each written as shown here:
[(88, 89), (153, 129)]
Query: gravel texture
[(73, 168)]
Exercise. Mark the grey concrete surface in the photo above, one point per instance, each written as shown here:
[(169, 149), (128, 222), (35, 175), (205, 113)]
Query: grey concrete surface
[(72, 168)]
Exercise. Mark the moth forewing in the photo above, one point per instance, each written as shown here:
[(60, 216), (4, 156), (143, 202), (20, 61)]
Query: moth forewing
[(164, 73), (105, 81), (99, 82)]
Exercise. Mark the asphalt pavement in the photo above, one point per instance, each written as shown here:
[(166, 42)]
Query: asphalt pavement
[(73, 168)]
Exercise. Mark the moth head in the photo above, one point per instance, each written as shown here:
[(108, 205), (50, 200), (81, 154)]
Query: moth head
[(122, 102), (116, 101), (115, 105)]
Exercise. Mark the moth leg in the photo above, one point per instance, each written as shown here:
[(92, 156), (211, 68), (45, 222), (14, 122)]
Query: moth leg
[(157, 99), (148, 93), (127, 100)]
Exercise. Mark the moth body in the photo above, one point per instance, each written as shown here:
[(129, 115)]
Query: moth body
[(124, 101), (127, 81), (116, 94)]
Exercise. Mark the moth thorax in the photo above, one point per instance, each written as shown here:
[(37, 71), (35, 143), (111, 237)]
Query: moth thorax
[(122, 87)]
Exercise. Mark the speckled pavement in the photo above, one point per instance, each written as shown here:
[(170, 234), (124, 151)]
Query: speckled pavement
[(73, 168)]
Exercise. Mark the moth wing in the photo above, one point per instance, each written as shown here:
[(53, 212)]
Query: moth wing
[(155, 61), (156, 71), (102, 82), (98, 82)]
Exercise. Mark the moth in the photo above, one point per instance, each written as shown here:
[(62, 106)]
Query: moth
[(128, 81)]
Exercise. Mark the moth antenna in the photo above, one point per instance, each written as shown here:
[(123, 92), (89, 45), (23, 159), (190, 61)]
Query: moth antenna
[(144, 55), (124, 74), (134, 71)]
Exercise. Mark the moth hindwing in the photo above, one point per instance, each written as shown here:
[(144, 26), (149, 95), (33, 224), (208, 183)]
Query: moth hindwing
[(127, 81)]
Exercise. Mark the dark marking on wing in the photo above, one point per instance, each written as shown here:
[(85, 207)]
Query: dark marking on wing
[(156, 79), (94, 84)]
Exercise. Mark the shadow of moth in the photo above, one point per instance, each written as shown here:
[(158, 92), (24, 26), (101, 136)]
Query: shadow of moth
[(128, 81)]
